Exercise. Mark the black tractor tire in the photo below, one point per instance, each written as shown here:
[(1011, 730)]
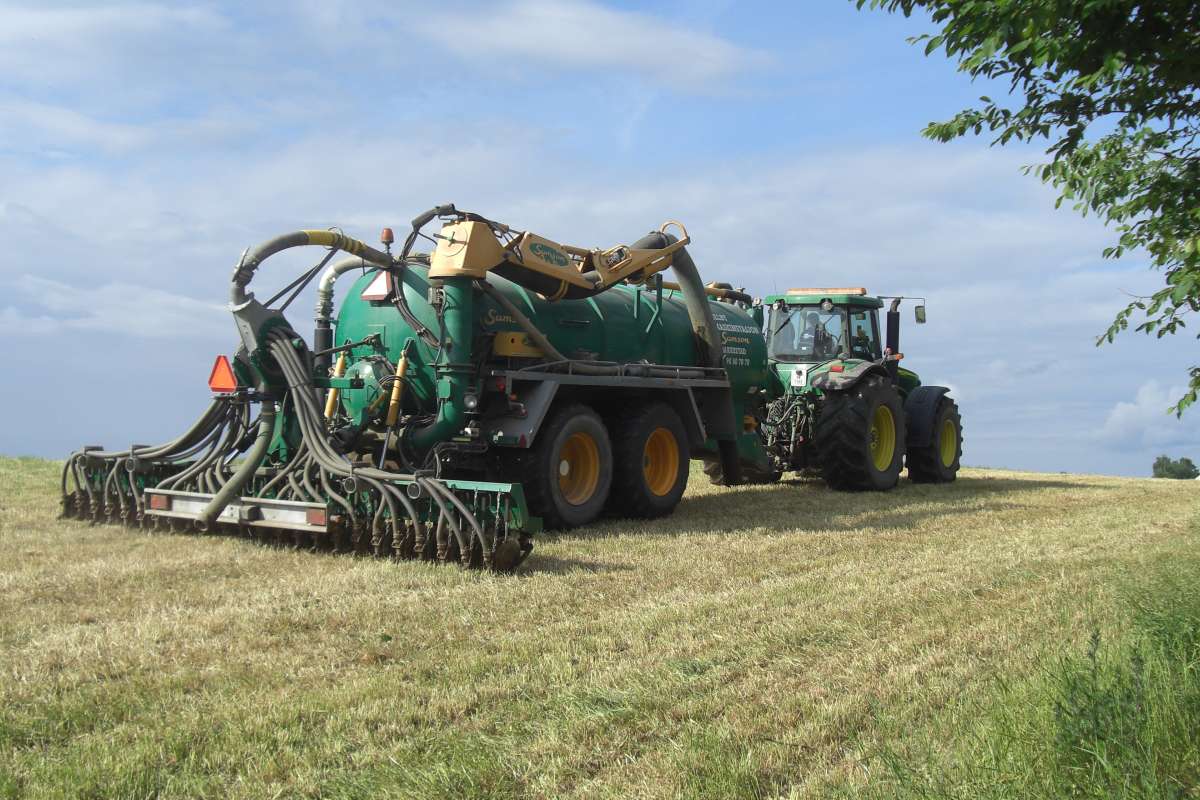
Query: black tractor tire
[(849, 431), (750, 475), (567, 472), (932, 464), (650, 461)]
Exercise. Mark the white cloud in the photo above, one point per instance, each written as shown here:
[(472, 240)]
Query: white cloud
[(113, 308), (65, 45), (577, 34), (55, 126), (1144, 422)]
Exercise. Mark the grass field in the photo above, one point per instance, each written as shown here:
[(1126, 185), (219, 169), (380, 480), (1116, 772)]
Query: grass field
[(762, 642)]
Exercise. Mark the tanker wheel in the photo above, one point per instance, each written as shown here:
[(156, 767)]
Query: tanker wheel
[(568, 471), (650, 461), (860, 436), (938, 462)]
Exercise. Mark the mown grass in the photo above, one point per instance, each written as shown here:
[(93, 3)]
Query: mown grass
[(762, 642), (1116, 718)]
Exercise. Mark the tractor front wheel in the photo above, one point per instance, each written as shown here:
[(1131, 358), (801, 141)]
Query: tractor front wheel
[(938, 461), (860, 436)]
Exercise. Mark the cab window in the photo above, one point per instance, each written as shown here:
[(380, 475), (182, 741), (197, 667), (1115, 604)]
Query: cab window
[(806, 333), (864, 335)]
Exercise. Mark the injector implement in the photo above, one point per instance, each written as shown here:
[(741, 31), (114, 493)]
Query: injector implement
[(456, 401)]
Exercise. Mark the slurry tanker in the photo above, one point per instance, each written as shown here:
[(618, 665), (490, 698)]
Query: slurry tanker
[(457, 401)]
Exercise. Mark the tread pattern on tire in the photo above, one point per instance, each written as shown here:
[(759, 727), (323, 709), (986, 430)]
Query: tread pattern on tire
[(628, 485), (925, 463), (525, 466), (842, 434)]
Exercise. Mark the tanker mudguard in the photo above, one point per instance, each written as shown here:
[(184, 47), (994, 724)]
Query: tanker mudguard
[(920, 408), (533, 397)]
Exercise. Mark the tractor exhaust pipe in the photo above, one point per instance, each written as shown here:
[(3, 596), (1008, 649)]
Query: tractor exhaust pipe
[(893, 338)]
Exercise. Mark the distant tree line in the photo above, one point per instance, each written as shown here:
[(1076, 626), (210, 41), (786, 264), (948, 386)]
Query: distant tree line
[(1181, 468)]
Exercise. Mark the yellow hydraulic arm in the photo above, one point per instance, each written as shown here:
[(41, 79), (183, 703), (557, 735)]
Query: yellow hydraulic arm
[(472, 248)]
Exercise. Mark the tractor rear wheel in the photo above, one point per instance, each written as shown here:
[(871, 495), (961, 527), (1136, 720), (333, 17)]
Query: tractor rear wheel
[(568, 471), (650, 470), (938, 461), (860, 436)]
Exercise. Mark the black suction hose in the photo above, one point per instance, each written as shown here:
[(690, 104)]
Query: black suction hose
[(233, 486)]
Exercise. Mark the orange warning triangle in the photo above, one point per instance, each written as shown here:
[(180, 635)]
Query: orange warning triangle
[(222, 380)]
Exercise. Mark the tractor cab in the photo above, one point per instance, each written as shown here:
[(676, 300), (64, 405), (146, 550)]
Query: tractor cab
[(810, 331)]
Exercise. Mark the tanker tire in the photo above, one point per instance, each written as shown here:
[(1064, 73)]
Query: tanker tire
[(538, 468), (750, 475), (633, 494), (926, 464), (843, 436)]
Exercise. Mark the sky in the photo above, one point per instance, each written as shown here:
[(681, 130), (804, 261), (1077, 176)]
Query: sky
[(144, 146)]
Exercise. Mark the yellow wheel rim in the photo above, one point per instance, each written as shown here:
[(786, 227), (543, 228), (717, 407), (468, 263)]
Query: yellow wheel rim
[(578, 468), (948, 442), (660, 462), (883, 438)]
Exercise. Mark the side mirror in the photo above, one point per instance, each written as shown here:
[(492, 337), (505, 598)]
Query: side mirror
[(920, 313)]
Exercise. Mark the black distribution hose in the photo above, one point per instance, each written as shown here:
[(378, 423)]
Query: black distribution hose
[(445, 514), (467, 515), (232, 488), (312, 426), (162, 452), (223, 438)]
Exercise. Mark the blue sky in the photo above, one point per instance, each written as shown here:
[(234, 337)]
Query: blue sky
[(144, 145)]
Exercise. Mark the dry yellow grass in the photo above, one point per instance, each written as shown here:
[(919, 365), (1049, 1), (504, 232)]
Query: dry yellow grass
[(750, 645)]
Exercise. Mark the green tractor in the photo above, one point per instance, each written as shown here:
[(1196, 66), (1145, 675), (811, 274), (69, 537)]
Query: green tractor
[(841, 404)]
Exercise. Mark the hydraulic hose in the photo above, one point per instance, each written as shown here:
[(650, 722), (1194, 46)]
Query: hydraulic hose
[(250, 261), (323, 331), (233, 487)]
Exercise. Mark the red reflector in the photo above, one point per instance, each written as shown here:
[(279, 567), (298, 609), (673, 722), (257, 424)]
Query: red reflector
[(222, 379), (837, 368), (378, 289), (160, 502), (315, 516)]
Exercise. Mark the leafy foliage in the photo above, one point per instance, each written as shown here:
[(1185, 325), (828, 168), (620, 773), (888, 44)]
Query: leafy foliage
[(1183, 468), (1114, 85)]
